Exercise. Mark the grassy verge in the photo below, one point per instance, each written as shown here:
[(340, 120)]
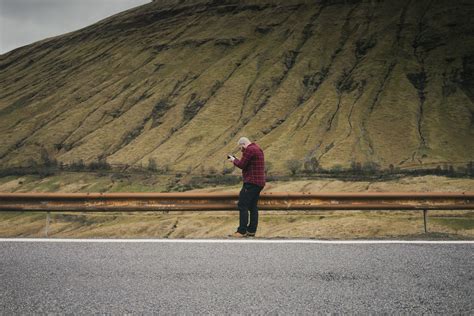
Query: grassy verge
[(321, 225)]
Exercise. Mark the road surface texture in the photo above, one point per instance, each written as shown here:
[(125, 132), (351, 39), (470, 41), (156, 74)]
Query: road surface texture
[(235, 278)]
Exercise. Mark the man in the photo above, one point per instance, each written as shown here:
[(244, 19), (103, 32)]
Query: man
[(253, 173)]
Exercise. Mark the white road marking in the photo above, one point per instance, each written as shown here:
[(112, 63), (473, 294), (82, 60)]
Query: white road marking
[(237, 241)]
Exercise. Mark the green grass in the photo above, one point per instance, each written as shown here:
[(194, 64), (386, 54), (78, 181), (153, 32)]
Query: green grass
[(137, 187), (49, 186), (454, 223), (7, 179)]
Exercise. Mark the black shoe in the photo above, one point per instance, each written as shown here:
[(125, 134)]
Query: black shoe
[(250, 234)]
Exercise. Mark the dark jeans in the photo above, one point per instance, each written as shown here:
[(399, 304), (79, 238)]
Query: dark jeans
[(248, 199)]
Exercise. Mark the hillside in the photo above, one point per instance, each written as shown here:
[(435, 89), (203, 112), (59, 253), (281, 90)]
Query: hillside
[(386, 82)]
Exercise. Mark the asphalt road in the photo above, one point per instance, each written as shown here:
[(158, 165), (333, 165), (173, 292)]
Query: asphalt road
[(235, 278)]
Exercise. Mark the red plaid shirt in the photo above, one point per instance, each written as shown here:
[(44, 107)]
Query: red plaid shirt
[(252, 165)]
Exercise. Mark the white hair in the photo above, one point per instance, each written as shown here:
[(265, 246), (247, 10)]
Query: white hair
[(243, 141)]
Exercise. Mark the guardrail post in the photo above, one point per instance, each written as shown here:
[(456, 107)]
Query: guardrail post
[(424, 220), (48, 218)]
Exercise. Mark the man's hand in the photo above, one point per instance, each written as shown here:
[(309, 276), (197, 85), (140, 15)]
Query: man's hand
[(230, 158)]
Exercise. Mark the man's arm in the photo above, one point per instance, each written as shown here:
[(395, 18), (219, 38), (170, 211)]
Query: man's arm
[(242, 163)]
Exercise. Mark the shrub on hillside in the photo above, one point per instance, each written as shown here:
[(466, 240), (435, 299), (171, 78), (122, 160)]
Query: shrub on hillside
[(78, 165), (294, 166), (152, 166), (100, 164), (311, 165), (370, 167)]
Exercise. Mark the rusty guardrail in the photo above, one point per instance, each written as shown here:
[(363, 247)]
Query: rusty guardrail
[(120, 202)]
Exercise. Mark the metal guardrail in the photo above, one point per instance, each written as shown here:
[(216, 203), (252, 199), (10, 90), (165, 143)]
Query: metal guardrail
[(288, 201), (104, 202)]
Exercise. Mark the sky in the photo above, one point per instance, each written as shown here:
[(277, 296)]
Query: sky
[(23, 22)]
